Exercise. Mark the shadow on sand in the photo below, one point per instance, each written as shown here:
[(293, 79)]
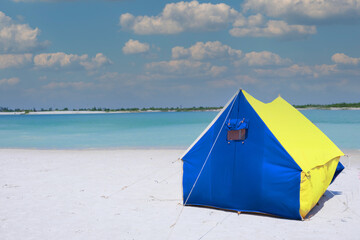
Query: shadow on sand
[(326, 197)]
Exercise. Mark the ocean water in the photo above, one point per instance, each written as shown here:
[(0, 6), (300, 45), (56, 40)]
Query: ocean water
[(145, 130)]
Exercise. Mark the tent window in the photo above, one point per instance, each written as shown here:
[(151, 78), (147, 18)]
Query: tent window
[(237, 134), (237, 129)]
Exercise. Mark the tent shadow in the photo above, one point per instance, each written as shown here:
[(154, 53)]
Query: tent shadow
[(266, 215), (320, 204), (325, 197)]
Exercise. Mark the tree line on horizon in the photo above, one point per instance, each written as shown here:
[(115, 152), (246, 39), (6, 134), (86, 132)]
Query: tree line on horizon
[(170, 109), (99, 109), (327, 106)]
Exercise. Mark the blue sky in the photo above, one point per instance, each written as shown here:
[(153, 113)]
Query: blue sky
[(142, 53)]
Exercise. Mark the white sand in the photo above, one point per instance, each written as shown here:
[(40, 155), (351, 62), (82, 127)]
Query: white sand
[(136, 194)]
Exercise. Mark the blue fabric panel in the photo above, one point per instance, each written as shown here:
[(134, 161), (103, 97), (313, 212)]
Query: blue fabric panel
[(195, 158), (254, 175), (338, 170)]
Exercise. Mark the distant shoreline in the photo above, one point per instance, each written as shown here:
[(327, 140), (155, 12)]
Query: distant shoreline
[(100, 110), (151, 111), (329, 108), (147, 111), (97, 112)]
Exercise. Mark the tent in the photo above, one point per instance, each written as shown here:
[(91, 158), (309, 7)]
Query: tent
[(260, 157)]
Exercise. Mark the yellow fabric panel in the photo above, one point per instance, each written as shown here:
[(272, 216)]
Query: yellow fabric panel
[(314, 183), (306, 144)]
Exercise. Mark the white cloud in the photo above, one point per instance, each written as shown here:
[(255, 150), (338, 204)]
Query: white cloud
[(180, 52), (25, 0), (253, 20), (217, 70), (325, 69), (77, 85), (109, 76), (43, 78), (9, 81), (60, 60), (194, 16), (294, 70), (272, 28), (208, 50), (186, 67), (299, 70), (341, 58), (181, 16), (96, 62), (51, 1), (315, 71), (134, 46), (264, 58), (217, 50), (307, 11), (235, 81), (14, 60), (18, 37), (29, 1), (178, 66)]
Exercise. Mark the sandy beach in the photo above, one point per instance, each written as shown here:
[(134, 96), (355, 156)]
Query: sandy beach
[(136, 194)]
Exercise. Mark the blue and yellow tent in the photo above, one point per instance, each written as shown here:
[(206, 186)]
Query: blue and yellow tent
[(257, 157)]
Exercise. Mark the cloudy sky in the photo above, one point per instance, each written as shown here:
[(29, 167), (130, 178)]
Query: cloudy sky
[(141, 53)]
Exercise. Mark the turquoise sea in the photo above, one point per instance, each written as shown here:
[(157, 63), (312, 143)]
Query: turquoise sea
[(145, 130)]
